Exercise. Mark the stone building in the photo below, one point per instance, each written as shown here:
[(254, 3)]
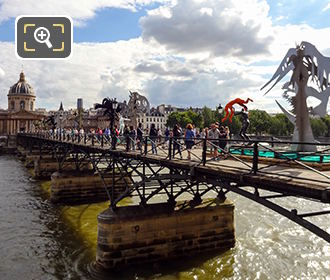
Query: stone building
[(21, 114), (155, 117)]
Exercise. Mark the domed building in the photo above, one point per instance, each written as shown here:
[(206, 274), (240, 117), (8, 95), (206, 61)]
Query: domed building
[(20, 115), (21, 96)]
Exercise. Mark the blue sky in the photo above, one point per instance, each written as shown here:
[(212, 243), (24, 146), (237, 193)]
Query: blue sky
[(108, 25), (113, 24), (183, 52), (298, 12)]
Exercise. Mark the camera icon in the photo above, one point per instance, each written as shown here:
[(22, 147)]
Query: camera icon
[(43, 37)]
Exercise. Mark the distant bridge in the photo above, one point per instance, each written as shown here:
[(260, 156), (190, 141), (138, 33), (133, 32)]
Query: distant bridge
[(169, 178)]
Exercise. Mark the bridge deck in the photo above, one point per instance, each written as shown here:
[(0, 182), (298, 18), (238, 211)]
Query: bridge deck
[(287, 180), (284, 179), (199, 176)]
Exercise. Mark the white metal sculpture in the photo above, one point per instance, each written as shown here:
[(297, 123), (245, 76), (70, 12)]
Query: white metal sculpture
[(308, 66)]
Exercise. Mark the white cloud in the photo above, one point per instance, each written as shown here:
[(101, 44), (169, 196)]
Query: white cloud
[(111, 69), (220, 28), (327, 7), (2, 73), (80, 11), (183, 71)]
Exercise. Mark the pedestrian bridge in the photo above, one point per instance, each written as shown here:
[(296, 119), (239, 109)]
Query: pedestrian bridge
[(167, 178)]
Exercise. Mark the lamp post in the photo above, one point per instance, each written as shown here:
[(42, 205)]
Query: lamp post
[(220, 109), (114, 106)]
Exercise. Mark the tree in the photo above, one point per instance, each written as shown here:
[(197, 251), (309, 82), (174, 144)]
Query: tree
[(173, 119), (208, 116), (280, 125), (183, 118), (326, 120), (319, 127), (196, 118), (260, 122)]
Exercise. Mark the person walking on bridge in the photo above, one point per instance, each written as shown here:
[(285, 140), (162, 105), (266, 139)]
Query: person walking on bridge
[(153, 138), (139, 135), (176, 140), (189, 139), (214, 135)]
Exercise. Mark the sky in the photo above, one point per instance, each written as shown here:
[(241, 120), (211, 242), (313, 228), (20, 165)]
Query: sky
[(181, 52)]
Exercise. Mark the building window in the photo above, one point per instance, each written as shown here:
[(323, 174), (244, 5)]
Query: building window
[(147, 119), (12, 105), (22, 105), (31, 106), (154, 119)]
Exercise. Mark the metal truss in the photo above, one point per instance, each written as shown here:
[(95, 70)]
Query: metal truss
[(149, 179)]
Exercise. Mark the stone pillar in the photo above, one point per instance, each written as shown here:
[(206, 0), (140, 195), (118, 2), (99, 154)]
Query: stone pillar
[(72, 187), (45, 167), (133, 235)]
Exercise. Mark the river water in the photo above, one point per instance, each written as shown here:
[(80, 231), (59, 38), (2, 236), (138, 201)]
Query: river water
[(37, 243)]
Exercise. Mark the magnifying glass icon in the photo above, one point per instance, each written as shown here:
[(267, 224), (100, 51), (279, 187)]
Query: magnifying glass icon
[(41, 35)]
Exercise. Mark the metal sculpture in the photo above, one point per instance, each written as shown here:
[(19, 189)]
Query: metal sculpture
[(50, 122), (109, 109), (229, 107), (308, 66), (137, 104)]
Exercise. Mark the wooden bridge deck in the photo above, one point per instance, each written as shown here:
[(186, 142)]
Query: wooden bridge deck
[(283, 179), (288, 180)]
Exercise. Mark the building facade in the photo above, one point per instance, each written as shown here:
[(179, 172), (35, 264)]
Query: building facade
[(21, 115), (155, 117)]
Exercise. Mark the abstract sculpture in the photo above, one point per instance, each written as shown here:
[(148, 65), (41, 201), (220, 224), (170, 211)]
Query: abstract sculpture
[(111, 110), (309, 66), (229, 107), (50, 122), (137, 104)]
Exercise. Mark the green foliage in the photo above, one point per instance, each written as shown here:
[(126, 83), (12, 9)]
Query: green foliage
[(260, 122), (326, 120), (319, 127), (208, 116), (183, 118), (280, 126)]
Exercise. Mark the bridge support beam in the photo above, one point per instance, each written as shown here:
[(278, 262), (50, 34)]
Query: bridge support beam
[(74, 187), (134, 235)]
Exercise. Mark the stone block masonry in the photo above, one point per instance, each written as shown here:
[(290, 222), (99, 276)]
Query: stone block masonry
[(74, 187), (133, 235), (45, 167)]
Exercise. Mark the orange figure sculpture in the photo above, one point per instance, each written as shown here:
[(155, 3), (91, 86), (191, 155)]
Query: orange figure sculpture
[(229, 107)]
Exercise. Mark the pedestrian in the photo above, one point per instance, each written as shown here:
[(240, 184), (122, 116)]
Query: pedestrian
[(153, 138), (126, 137), (228, 138), (132, 137), (177, 132), (114, 137), (189, 139), (107, 133), (167, 135), (213, 135), (139, 134), (222, 140)]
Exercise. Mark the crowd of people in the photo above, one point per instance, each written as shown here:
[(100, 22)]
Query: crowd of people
[(181, 138)]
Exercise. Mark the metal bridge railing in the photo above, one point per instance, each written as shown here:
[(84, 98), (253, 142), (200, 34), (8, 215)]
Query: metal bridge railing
[(172, 147)]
